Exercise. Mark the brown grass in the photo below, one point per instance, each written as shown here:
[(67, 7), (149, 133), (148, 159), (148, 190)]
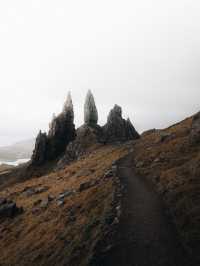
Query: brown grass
[(174, 166), (60, 235)]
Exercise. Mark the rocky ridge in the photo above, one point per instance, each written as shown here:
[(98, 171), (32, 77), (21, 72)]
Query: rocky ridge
[(66, 144)]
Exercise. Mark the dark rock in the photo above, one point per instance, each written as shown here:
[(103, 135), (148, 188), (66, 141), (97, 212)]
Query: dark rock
[(37, 202), (30, 191), (2, 201), (87, 185), (36, 211), (86, 136), (9, 209), (61, 133), (40, 152), (195, 130), (90, 110), (50, 197), (118, 129), (60, 202), (65, 194), (44, 204), (108, 174), (163, 135)]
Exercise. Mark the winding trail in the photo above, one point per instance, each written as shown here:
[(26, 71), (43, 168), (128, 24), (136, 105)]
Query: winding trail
[(146, 236)]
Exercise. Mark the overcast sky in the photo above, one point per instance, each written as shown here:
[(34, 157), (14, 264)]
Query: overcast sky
[(143, 55)]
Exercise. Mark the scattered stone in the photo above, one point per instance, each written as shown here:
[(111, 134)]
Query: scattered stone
[(41, 190), (66, 194), (44, 204), (139, 164), (108, 174), (35, 211), (60, 202), (30, 191), (9, 209), (87, 185), (116, 221), (50, 197), (157, 160), (37, 202), (163, 135)]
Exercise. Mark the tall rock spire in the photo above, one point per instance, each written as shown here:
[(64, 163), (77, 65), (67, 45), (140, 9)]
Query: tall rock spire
[(68, 108), (90, 110), (61, 132)]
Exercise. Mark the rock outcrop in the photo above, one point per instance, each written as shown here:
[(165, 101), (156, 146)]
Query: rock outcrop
[(86, 138), (8, 208), (117, 128), (90, 110), (61, 133), (66, 144), (88, 135), (40, 152), (195, 130)]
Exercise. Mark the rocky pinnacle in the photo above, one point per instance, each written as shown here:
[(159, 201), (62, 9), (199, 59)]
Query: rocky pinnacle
[(90, 110)]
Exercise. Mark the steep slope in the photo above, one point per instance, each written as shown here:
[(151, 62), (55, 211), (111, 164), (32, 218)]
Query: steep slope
[(65, 213), (171, 160)]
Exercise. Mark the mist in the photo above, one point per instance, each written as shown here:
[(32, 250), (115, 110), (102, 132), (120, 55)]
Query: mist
[(143, 55)]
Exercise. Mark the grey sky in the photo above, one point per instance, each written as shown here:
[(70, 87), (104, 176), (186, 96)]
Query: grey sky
[(143, 55)]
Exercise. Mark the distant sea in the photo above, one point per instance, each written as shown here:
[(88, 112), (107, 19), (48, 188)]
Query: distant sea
[(15, 163)]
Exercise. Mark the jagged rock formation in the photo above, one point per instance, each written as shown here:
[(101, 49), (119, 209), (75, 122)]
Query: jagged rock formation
[(87, 137), (62, 139), (117, 128), (90, 110), (61, 132), (39, 154), (195, 130)]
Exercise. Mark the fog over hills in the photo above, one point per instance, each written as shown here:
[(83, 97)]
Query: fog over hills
[(19, 150)]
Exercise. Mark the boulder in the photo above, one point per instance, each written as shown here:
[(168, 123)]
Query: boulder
[(9, 209), (195, 130), (117, 128)]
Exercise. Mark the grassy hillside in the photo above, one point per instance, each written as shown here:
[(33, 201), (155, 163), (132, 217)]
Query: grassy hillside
[(168, 159), (54, 234)]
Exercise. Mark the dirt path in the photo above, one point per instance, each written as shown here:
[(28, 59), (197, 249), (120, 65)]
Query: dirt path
[(146, 237)]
